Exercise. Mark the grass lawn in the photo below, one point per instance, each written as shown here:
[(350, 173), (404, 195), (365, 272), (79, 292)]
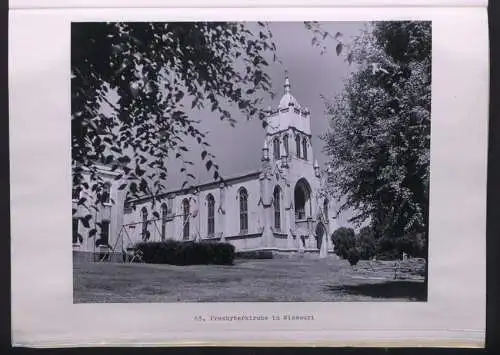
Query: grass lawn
[(294, 279)]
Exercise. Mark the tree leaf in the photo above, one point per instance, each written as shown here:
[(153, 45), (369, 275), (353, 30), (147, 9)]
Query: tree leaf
[(338, 48), (86, 221), (81, 201)]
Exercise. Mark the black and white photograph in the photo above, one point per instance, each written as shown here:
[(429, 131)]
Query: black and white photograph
[(250, 161)]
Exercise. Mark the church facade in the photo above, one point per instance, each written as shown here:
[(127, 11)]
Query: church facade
[(278, 207)]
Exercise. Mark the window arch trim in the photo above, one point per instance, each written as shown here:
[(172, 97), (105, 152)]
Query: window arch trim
[(277, 208), (164, 214), (304, 148), (243, 209), (286, 145), (276, 148), (297, 146), (185, 218), (210, 215), (144, 217)]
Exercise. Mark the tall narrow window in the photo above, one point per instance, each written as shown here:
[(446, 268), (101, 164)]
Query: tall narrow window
[(277, 211), (285, 144), (106, 193), (304, 148), (325, 209), (170, 205), (145, 233), (297, 145), (211, 215), (243, 210), (276, 148), (164, 212), (104, 233), (76, 224), (185, 219)]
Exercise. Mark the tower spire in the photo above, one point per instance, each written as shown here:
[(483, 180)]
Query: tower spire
[(287, 82)]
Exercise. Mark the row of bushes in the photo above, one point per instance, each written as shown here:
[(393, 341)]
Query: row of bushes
[(364, 245), (186, 253)]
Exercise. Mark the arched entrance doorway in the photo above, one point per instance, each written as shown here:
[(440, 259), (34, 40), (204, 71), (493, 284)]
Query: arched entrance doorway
[(302, 200), (319, 235)]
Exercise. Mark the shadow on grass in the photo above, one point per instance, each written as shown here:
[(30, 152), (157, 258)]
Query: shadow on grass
[(411, 290)]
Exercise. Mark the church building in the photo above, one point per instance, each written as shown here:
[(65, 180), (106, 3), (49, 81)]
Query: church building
[(277, 207)]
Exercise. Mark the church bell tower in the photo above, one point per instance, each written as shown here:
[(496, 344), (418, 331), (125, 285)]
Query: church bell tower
[(290, 174), (288, 131)]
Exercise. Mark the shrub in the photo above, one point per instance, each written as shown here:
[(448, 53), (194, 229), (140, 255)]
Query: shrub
[(186, 253), (354, 247), (344, 241), (366, 243), (412, 244), (353, 256)]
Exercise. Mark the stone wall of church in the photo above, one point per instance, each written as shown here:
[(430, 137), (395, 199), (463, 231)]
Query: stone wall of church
[(226, 215)]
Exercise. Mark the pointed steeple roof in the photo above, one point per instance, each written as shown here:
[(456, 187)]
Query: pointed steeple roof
[(287, 83), (287, 99)]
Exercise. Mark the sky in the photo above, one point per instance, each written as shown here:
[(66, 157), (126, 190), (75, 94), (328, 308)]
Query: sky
[(312, 74)]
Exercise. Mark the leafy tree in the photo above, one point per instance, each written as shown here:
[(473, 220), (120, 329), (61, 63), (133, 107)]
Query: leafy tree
[(366, 243), (379, 140), (133, 85), (411, 244)]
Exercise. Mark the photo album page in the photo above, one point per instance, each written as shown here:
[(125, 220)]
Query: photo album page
[(259, 173)]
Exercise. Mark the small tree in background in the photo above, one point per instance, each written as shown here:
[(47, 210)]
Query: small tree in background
[(414, 245), (366, 243), (352, 247), (344, 241)]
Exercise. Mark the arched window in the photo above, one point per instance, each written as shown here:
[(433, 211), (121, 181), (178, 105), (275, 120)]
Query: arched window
[(185, 219), (276, 148), (297, 145), (285, 144), (145, 233), (243, 196), (302, 201), (325, 209), (164, 212), (211, 214), (304, 148), (277, 208)]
